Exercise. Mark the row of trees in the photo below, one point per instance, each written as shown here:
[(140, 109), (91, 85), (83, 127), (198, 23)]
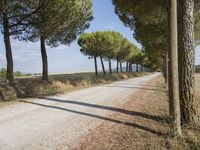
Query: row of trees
[(154, 24), (110, 45), (52, 22)]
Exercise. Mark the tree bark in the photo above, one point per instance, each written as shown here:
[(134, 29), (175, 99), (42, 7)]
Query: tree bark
[(121, 69), (169, 61), (110, 66), (176, 124), (130, 67), (103, 68), (44, 59), (7, 43), (117, 66), (189, 107), (126, 66), (95, 64), (165, 67), (137, 68)]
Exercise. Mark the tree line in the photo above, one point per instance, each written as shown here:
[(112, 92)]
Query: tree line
[(157, 25), (111, 45)]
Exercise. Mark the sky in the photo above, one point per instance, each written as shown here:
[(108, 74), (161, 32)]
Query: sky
[(65, 59)]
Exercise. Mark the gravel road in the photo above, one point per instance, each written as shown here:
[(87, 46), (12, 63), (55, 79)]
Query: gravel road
[(62, 121)]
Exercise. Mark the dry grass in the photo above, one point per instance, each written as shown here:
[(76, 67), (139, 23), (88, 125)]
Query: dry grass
[(34, 87), (146, 129)]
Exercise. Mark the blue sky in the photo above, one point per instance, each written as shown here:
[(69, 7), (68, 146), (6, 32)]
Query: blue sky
[(65, 59)]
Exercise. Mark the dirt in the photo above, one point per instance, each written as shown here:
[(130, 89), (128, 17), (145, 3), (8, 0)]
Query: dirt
[(142, 123), (67, 121)]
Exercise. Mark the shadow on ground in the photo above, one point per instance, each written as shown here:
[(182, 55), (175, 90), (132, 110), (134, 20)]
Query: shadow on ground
[(119, 110)]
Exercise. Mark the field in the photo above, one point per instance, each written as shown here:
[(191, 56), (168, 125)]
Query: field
[(34, 87)]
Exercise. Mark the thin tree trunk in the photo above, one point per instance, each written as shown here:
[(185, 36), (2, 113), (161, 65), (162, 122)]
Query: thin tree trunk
[(121, 69), (117, 66), (110, 66), (176, 123), (169, 62), (44, 59), (95, 64), (130, 67), (166, 68), (189, 105), (137, 68), (126, 66), (7, 43), (103, 68)]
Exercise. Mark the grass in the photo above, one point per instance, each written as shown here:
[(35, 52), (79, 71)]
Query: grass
[(149, 128), (34, 87)]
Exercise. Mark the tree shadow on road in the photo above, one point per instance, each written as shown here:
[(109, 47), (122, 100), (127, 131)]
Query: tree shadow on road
[(119, 110), (135, 87), (130, 124)]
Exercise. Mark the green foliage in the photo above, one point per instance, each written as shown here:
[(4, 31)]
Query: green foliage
[(60, 22), (149, 20), (107, 44), (19, 14), (100, 44)]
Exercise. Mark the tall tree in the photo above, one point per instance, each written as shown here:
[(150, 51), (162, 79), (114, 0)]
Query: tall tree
[(189, 105), (60, 22), (176, 124), (13, 22)]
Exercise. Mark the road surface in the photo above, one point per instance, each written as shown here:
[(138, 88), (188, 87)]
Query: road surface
[(62, 121)]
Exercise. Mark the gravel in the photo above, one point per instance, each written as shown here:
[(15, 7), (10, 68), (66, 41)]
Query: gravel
[(62, 121)]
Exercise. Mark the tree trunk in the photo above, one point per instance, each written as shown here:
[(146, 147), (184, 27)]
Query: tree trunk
[(176, 124), (117, 66), (169, 61), (130, 67), (110, 66), (189, 107), (7, 43), (137, 68), (95, 64), (165, 67), (103, 68), (121, 69), (44, 59), (126, 66)]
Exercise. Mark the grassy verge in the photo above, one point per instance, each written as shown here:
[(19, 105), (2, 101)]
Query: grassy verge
[(34, 87), (146, 127)]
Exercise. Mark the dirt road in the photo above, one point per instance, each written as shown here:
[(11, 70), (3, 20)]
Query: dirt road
[(61, 122)]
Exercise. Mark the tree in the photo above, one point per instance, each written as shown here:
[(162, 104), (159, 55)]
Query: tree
[(60, 22), (13, 22), (147, 19), (176, 124), (103, 44), (90, 44), (113, 48), (148, 26), (189, 104), (124, 53)]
